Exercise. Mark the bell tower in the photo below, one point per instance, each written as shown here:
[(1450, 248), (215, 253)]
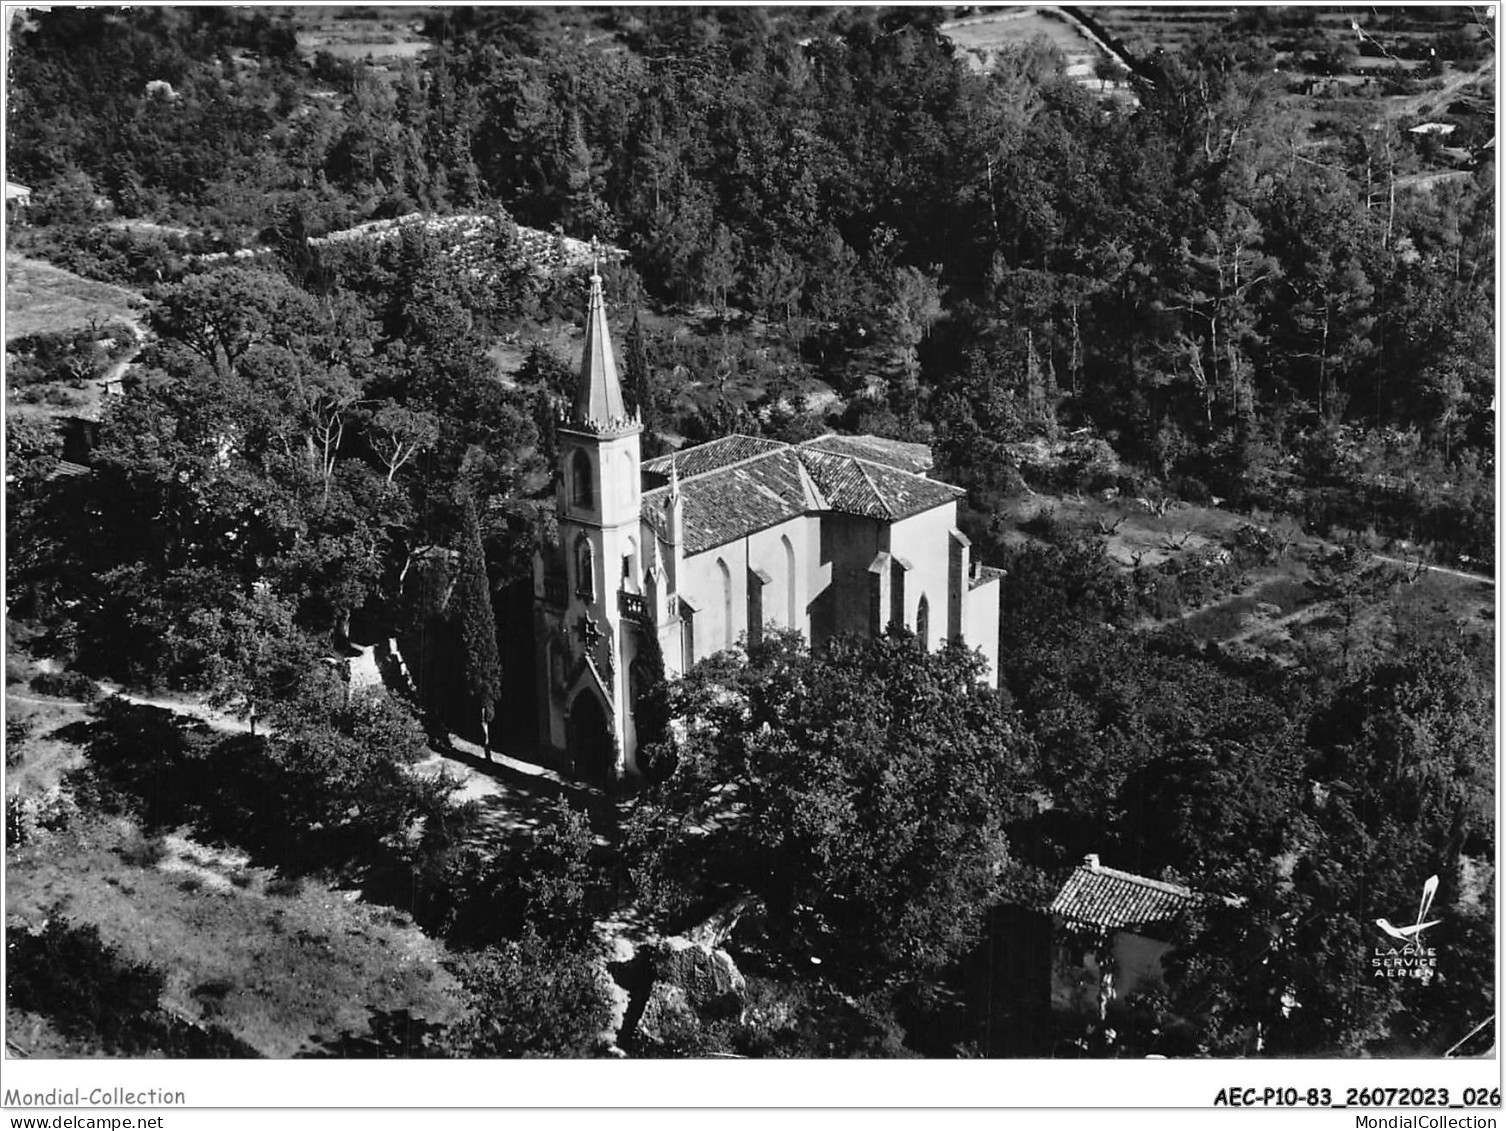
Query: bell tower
[(598, 503)]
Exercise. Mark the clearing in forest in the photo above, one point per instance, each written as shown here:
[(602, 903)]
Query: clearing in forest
[(41, 298)]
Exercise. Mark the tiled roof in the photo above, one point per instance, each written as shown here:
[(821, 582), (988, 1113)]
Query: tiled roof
[(736, 501), (711, 456), (846, 484), (984, 575), (914, 458), (655, 510), (904, 494), (1095, 896), (738, 485)]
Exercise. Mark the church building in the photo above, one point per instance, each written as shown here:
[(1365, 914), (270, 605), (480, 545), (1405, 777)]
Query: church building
[(695, 552)]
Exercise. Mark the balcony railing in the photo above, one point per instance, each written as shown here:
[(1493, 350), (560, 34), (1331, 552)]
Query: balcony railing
[(632, 605)]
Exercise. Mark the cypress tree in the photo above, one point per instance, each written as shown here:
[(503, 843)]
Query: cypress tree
[(478, 625), (639, 393), (639, 389), (651, 709)]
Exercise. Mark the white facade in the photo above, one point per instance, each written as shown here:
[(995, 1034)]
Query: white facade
[(706, 550)]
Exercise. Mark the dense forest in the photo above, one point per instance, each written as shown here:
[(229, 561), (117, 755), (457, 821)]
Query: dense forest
[(1229, 299), (1243, 305)]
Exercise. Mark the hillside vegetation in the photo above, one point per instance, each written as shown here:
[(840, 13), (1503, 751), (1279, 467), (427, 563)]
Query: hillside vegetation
[(1212, 353)]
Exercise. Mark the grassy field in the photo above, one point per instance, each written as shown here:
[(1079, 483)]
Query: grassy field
[(1273, 611), (360, 32), (288, 967), (370, 49), (41, 298), (981, 38), (47, 755), (1353, 42), (1144, 29)]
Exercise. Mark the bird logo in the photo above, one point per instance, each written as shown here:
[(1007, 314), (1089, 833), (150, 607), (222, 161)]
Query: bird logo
[(1413, 935)]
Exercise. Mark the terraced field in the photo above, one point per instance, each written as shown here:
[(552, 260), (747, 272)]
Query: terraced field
[(360, 33), (1341, 68), (982, 36), (1336, 53), (1145, 29), (981, 39)]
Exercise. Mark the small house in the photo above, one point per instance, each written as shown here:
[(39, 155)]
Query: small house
[(17, 198), (1110, 931)]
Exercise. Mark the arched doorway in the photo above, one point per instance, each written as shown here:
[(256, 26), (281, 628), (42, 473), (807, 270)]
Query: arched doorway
[(590, 741)]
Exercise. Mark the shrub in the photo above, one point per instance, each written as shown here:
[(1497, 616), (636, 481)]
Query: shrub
[(17, 731), (287, 886), (66, 973), (1254, 543), (54, 811), (17, 829), (143, 851), (531, 998), (1287, 593), (1158, 594), (74, 356), (1043, 524), (1193, 490), (25, 817), (66, 685), (70, 975), (550, 888)]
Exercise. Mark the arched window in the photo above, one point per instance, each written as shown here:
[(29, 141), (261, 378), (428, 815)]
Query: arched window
[(687, 637), (585, 570), (758, 579), (792, 619), (629, 473), (630, 566), (730, 631), (580, 479), (923, 623)]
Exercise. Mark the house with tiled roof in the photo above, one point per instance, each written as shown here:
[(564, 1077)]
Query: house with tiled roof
[(17, 199), (668, 561), (1111, 931)]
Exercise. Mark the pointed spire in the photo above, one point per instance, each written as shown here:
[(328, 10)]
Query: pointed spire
[(674, 505), (598, 397)]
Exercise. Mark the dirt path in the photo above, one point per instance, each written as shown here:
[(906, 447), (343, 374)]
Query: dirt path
[(117, 371), (1076, 20), (514, 795), (1419, 104), (219, 720), (1436, 569)]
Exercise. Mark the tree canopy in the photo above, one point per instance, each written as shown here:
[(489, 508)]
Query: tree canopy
[(861, 791)]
